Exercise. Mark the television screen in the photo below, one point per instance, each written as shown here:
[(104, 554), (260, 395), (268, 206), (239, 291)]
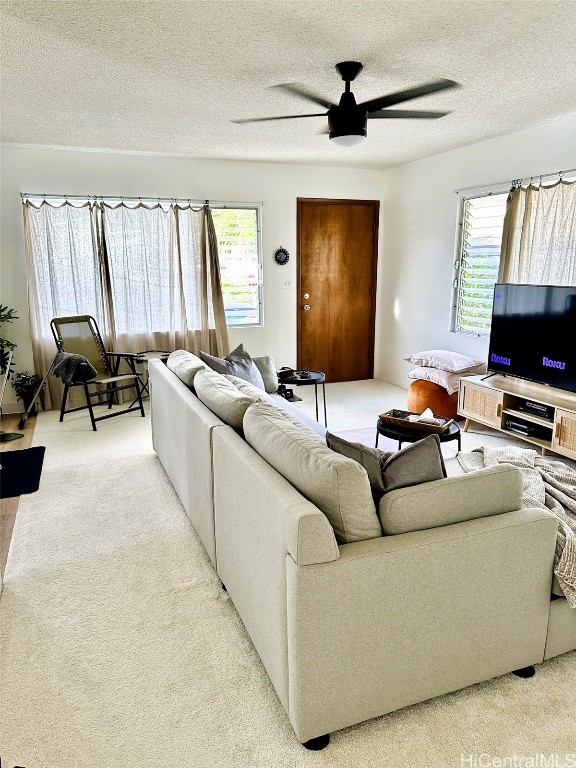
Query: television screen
[(533, 333)]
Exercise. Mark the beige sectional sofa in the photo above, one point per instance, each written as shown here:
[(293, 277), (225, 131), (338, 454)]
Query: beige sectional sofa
[(352, 631)]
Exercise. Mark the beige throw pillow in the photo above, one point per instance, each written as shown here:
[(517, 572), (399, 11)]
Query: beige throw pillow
[(337, 485), (267, 368), (222, 397), (185, 365)]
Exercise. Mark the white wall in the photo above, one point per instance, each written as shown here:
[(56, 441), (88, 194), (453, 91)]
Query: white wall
[(419, 220), (417, 233), (83, 173)]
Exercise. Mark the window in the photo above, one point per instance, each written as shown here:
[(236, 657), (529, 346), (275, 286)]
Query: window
[(477, 263), (238, 233), (141, 243)]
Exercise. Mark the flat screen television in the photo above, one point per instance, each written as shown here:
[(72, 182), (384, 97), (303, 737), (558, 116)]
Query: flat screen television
[(533, 333)]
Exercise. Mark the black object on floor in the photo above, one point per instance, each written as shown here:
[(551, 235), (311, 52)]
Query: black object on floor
[(5, 437), (320, 742), (525, 672), (20, 471)]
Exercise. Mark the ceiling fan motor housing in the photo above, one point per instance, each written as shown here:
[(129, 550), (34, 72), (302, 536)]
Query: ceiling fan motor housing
[(347, 119), (346, 122)]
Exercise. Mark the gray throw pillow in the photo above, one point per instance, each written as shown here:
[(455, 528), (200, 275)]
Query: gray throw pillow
[(420, 462), (237, 363), (370, 458)]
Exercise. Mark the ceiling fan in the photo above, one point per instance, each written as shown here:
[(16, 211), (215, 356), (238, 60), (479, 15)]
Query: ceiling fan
[(347, 120)]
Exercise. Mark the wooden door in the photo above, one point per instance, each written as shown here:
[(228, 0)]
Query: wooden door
[(336, 283)]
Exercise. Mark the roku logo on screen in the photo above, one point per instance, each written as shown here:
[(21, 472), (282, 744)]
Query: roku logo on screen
[(499, 359), (553, 363)]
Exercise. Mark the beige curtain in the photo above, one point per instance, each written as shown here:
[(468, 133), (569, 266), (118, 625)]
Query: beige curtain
[(149, 276), (539, 236), (164, 279), (64, 278)]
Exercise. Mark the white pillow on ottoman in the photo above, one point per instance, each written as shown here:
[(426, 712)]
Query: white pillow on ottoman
[(450, 381), (453, 362)]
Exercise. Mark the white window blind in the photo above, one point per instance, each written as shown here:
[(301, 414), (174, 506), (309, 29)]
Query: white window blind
[(479, 258)]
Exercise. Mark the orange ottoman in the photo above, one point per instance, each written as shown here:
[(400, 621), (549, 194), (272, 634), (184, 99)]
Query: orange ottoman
[(425, 394)]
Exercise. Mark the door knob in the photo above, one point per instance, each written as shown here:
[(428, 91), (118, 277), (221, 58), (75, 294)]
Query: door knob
[(306, 307), (306, 295)]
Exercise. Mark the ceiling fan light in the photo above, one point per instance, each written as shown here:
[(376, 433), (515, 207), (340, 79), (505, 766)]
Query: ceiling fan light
[(348, 139)]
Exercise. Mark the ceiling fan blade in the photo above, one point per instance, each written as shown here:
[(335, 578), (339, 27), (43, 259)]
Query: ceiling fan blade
[(407, 113), (304, 93), (407, 94), (278, 117)]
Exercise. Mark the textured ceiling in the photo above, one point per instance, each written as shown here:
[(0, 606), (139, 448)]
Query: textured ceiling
[(168, 77)]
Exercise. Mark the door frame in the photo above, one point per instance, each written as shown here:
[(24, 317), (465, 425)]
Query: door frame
[(375, 205)]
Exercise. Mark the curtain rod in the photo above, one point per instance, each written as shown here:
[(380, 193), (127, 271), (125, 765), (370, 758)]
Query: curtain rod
[(128, 198), (508, 184)]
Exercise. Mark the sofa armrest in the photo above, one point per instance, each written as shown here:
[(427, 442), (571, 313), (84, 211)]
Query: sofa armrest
[(309, 536), (486, 492), (400, 619)]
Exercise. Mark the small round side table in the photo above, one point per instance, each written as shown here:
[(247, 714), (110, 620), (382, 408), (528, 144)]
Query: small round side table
[(297, 380), (407, 435)]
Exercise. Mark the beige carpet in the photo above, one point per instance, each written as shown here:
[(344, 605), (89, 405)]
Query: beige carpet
[(119, 649)]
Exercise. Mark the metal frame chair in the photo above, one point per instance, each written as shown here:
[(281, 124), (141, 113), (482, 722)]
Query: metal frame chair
[(79, 334)]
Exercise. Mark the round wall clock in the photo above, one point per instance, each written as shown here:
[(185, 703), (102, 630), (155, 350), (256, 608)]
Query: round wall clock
[(281, 256)]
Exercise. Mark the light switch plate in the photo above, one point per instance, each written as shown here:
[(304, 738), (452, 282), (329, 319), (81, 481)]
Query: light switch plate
[(287, 282)]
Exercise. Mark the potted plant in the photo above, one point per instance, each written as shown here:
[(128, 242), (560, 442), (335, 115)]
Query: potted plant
[(25, 385), (7, 315)]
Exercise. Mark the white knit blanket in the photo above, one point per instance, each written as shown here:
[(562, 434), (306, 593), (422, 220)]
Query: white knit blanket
[(548, 484)]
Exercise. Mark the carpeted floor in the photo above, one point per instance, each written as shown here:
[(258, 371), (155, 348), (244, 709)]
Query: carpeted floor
[(119, 649)]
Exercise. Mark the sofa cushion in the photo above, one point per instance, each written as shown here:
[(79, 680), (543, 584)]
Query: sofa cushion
[(249, 389), (222, 397), (420, 462), (185, 365), (237, 363), (337, 485), (293, 410), (485, 492), (556, 588), (267, 368)]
